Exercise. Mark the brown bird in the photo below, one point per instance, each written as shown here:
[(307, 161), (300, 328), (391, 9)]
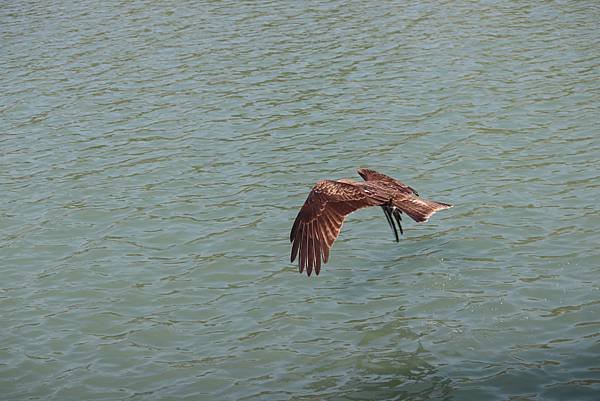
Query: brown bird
[(321, 217)]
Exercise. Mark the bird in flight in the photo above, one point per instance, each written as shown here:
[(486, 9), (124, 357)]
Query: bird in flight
[(320, 219)]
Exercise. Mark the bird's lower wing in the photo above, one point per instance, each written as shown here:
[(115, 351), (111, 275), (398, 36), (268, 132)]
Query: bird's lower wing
[(320, 220)]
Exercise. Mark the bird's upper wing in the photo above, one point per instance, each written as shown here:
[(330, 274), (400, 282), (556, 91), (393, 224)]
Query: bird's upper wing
[(320, 219), (372, 175)]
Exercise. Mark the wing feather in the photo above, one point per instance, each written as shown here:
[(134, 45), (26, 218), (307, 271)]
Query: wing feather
[(315, 253), (311, 249), (295, 245), (303, 248), (325, 233), (318, 248), (320, 219), (325, 253), (331, 226), (294, 230)]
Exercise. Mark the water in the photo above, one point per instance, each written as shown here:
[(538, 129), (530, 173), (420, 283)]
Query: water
[(155, 154)]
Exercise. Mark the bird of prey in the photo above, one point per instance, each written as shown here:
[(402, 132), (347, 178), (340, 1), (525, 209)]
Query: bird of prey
[(320, 219)]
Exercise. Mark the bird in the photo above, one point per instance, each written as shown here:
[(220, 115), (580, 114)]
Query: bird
[(320, 219)]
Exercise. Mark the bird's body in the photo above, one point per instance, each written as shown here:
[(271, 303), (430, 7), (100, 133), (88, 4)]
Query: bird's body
[(321, 217)]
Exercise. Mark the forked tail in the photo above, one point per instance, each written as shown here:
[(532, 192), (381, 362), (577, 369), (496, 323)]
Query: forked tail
[(419, 209)]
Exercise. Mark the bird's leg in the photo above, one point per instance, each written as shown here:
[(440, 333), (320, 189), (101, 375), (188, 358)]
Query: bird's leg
[(397, 214), (387, 210)]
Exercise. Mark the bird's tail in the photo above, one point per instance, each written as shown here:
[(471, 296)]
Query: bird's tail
[(419, 209)]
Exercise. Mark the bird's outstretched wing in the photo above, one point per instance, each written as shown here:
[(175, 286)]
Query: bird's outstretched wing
[(321, 217)]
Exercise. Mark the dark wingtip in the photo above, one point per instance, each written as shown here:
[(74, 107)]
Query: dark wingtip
[(293, 230)]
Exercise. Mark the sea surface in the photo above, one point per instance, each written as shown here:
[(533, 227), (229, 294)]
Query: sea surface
[(154, 154)]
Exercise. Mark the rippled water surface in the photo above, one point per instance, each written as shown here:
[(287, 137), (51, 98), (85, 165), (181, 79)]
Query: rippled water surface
[(154, 155)]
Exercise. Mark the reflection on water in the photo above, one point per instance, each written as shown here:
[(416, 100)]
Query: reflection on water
[(155, 155)]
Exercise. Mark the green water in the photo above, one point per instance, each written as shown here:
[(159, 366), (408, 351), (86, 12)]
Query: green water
[(153, 156)]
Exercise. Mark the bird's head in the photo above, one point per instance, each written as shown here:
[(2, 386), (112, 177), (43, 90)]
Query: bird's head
[(365, 173)]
